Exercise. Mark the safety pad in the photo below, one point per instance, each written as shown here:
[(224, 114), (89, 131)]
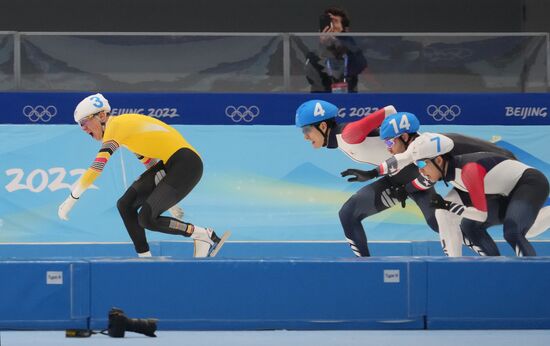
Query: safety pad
[(262, 294), (44, 294), (241, 249), (71, 250), (488, 293)]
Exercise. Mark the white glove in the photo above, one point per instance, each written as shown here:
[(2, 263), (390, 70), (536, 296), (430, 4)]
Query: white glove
[(177, 212), (65, 207)]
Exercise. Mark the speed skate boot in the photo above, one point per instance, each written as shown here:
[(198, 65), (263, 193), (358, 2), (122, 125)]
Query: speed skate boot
[(206, 242)]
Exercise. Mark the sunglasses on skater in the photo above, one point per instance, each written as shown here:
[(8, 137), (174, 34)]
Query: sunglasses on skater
[(420, 163), (85, 120), (389, 142)]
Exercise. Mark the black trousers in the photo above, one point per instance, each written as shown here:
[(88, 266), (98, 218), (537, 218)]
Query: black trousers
[(373, 199), (517, 213), (142, 204)]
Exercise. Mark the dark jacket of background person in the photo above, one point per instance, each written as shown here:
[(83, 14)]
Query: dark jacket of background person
[(320, 76), (338, 59)]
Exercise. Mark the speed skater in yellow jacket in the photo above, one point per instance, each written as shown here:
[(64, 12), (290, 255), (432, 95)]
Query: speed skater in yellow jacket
[(173, 169)]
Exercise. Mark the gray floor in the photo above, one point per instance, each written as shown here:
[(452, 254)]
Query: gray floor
[(292, 338)]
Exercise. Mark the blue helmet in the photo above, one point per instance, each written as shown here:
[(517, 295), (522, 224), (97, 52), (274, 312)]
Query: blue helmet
[(397, 124), (315, 111)]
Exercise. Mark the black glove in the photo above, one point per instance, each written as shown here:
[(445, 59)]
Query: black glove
[(399, 193), (359, 175), (439, 203)]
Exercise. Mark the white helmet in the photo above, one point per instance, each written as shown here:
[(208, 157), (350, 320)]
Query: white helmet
[(91, 105), (429, 145)]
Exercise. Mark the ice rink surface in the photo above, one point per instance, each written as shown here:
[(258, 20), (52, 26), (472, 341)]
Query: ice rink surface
[(291, 338)]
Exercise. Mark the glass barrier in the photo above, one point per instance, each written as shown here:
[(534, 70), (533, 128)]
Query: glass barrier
[(7, 68), (152, 63), (295, 62), (421, 62)]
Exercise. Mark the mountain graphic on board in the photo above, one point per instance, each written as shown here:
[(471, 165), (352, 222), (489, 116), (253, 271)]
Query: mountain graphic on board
[(311, 175)]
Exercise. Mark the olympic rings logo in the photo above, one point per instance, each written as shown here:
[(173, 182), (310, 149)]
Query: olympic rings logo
[(240, 113), (43, 113), (441, 112)]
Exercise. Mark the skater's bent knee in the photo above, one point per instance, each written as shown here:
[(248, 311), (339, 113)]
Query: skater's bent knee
[(145, 216)]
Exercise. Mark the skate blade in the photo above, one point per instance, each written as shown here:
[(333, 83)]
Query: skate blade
[(220, 244)]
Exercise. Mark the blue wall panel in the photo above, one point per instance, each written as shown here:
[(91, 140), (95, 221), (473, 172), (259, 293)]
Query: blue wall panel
[(371, 293), (488, 293), (44, 294), (258, 294), (279, 109)]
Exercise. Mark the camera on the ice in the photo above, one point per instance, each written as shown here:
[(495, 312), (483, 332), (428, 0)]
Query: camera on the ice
[(119, 324)]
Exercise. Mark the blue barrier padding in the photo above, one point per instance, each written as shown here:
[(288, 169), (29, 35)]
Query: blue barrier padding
[(433, 248), (44, 294), (235, 294), (488, 293), (292, 249), (71, 250), (263, 294), (298, 249)]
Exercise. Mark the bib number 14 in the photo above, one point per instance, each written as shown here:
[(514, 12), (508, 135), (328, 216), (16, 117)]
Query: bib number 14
[(404, 124)]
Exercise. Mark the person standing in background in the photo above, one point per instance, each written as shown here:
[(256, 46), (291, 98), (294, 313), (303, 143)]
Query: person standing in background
[(339, 61)]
